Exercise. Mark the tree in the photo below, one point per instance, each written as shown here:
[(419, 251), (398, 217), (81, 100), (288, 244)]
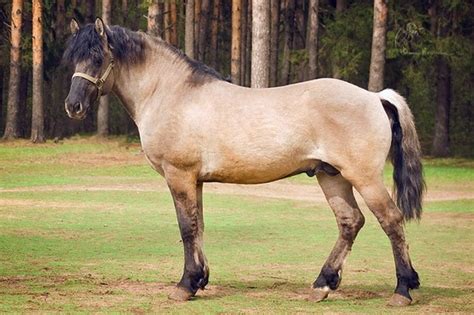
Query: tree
[(245, 41), (1, 93), (103, 111), (58, 85), (90, 11), (189, 29), (260, 43), (214, 33), (274, 40), (235, 65), (152, 21), (441, 145), (124, 11), (197, 23), (341, 6), (287, 41), (11, 127), (37, 116), (167, 22), (173, 23), (377, 59), (312, 39), (203, 29)]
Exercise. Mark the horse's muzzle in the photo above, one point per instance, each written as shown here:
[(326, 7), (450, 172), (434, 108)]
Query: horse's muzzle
[(75, 110)]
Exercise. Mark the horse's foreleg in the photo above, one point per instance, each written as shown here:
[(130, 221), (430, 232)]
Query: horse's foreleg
[(338, 192), (390, 218), (187, 197)]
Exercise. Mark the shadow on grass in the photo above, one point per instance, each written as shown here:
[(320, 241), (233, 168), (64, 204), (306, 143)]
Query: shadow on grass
[(300, 291), (94, 292)]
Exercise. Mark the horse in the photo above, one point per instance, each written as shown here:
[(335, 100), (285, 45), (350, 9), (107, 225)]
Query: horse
[(196, 127)]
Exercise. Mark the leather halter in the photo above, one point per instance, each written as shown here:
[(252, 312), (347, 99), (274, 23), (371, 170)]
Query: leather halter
[(98, 82)]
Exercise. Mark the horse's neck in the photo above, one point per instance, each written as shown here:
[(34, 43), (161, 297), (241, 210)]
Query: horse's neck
[(149, 81)]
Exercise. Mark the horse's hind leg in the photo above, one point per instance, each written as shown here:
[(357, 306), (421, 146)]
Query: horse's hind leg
[(338, 192), (187, 197), (391, 219)]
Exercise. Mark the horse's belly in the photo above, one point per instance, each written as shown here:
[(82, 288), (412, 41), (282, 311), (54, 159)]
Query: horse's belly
[(257, 171)]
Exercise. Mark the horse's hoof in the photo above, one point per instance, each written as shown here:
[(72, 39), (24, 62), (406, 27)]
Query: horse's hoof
[(399, 300), (318, 294), (180, 294)]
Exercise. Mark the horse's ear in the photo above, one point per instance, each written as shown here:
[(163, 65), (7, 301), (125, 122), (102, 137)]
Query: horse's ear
[(74, 26), (100, 27)]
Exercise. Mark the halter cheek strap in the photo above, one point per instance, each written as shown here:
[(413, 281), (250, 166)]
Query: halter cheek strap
[(98, 82)]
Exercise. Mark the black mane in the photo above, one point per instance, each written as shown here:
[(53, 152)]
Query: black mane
[(126, 46)]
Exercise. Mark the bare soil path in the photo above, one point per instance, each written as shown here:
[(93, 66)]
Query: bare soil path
[(283, 189)]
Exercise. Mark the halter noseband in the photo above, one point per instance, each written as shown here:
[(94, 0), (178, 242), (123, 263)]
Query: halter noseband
[(98, 82)]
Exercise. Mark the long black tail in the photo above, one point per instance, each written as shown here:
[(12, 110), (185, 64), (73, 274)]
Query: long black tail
[(405, 155)]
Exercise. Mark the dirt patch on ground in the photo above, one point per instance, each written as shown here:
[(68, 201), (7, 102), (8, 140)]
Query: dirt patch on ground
[(103, 159), (456, 219), (38, 204), (90, 292), (279, 190)]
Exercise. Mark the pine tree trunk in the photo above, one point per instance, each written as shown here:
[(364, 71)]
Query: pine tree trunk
[(203, 28), (299, 40), (248, 46), (181, 21), (341, 6), (103, 111), (167, 21), (124, 12), (173, 24), (244, 17), (1, 94), (441, 145), (274, 40), (377, 59), (11, 125), (312, 39), (260, 43), (189, 29), (37, 116), (288, 41), (161, 18), (152, 24), (235, 65), (443, 103), (24, 120), (197, 23), (90, 11), (214, 32), (58, 119)]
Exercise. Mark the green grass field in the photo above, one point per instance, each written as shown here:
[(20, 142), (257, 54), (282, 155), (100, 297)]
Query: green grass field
[(87, 226)]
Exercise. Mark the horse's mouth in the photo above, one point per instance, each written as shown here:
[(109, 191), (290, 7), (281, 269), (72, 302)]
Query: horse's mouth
[(81, 115)]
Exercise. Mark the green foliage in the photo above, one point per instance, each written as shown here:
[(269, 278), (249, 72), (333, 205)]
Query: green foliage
[(348, 48)]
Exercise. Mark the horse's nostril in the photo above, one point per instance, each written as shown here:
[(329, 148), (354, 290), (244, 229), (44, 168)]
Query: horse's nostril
[(77, 107)]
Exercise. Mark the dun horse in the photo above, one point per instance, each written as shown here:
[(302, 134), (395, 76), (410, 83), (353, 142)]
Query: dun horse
[(195, 127)]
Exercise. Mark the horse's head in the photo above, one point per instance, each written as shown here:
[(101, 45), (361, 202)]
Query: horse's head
[(90, 53)]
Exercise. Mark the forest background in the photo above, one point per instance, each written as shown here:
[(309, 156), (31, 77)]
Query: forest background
[(424, 49)]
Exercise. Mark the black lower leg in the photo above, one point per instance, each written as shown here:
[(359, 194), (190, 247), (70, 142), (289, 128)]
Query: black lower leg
[(194, 280), (407, 278), (328, 277)]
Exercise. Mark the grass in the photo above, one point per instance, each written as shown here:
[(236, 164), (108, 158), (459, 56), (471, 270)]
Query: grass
[(87, 226)]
